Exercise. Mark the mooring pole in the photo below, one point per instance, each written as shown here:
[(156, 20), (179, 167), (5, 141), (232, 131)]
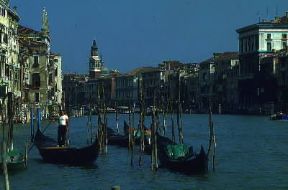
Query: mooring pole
[(38, 118), (5, 170), (32, 124)]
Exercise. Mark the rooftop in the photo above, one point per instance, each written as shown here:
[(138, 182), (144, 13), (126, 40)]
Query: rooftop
[(276, 23)]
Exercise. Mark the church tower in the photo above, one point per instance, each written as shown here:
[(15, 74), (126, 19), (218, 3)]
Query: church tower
[(95, 62)]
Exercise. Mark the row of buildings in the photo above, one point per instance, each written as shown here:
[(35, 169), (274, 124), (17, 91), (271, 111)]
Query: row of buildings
[(253, 80), (28, 67)]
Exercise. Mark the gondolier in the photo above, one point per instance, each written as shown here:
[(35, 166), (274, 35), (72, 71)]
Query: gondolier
[(62, 128)]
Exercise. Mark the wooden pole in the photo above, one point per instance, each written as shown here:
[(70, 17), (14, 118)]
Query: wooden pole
[(10, 110), (5, 170), (179, 112), (154, 158), (142, 108), (212, 139), (172, 121), (117, 118), (131, 132), (32, 124), (164, 120)]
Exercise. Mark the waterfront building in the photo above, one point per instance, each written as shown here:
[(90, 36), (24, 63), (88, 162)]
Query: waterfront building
[(218, 83), (145, 79), (278, 65), (99, 91), (41, 69), (55, 78), (152, 84), (282, 80), (9, 50), (74, 92), (256, 42), (126, 88), (190, 87), (206, 81), (170, 82), (180, 80)]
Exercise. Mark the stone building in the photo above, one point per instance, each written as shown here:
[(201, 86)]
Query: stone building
[(9, 50), (41, 69), (74, 92), (126, 89), (190, 87), (256, 42), (206, 82), (278, 65)]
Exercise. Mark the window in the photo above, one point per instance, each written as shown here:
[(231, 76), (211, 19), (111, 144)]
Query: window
[(50, 79), (7, 70), (36, 61), (26, 96), (2, 11), (5, 38), (268, 36), (284, 45), (284, 36), (35, 80), (56, 72), (269, 47), (37, 97)]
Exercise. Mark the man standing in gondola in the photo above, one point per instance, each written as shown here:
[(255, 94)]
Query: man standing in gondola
[(62, 128)]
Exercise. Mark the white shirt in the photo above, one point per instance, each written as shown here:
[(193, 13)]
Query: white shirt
[(63, 120)]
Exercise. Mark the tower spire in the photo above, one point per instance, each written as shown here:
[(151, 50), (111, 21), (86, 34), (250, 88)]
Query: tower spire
[(95, 62), (94, 49), (45, 25)]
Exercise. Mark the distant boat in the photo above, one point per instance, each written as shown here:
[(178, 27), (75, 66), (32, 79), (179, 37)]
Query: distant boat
[(279, 116), (122, 140), (52, 153)]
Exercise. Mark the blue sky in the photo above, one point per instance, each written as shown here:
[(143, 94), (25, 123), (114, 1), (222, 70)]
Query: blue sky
[(135, 33)]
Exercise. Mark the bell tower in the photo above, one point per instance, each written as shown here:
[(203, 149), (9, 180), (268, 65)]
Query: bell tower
[(95, 62)]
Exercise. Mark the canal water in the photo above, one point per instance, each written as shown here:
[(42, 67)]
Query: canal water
[(252, 153)]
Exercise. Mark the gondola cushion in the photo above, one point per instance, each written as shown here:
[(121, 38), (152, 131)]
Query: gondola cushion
[(177, 151)]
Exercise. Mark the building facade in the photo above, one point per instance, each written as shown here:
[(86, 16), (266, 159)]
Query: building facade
[(256, 81), (40, 68), (9, 50)]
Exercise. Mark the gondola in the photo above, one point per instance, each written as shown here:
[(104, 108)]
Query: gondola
[(122, 140), (52, 153), (15, 160), (279, 116), (180, 157), (118, 139)]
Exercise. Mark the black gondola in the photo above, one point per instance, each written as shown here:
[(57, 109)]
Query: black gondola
[(52, 153), (122, 140), (115, 138), (187, 161)]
